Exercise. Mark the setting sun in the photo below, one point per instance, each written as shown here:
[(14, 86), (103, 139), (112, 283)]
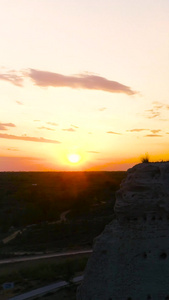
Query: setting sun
[(74, 158)]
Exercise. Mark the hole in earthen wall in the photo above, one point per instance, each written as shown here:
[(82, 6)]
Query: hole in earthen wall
[(148, 297), (163, 255), (153, 218), (167, 297), (145, 255), (129, 298)]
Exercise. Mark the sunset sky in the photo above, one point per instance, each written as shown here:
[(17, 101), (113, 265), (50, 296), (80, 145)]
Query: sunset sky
[(88, 78)]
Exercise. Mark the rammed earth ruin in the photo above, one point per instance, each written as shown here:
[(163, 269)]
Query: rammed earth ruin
[(130, 260)]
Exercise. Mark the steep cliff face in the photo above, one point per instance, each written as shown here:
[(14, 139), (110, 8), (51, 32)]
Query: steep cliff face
[(130, 260)]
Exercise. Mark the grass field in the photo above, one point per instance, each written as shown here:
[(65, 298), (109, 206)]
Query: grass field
[(32, 203), (33, 274)]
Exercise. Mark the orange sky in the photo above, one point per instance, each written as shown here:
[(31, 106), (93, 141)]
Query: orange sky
[(83, 77)]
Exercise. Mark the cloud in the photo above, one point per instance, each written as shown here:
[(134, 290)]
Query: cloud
[(156, 111), (52, 123), (47, 128), (4, 125), (80, 81), (10, 163), (74, 126), (14, 77), (112, 132), (153, 135), (69, 129), (102, 108), (94, 152), (155, 130), (28, 138), (12, 149), (151, 113), (19, 102), (136, 130)]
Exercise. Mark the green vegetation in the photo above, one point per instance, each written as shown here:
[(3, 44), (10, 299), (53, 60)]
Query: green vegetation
[(145, 159), (89, 196), (32, 203), (30, 275), (44, 271), (35, 197)]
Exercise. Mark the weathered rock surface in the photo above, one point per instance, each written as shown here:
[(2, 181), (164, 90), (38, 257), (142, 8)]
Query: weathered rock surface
[(130, 260)]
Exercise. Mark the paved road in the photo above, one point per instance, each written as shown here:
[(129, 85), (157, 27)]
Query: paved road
[(44, 290), (62, 254)]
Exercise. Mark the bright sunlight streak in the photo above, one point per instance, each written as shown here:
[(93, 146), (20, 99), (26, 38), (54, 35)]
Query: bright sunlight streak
[(74, 158)]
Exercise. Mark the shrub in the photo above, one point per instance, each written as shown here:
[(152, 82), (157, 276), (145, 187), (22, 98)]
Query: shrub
[(145, 159)]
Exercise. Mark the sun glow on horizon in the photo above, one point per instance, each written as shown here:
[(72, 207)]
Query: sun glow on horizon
[(74, 158)]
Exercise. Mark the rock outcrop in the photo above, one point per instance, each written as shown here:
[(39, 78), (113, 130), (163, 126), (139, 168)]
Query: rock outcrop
[(130, 260)]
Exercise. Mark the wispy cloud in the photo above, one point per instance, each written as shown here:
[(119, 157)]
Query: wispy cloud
[(69, 129), (154, 131), (19, 102), (94, 152), (102, 108), (136, 130), (47, 128), (78, 81), (12, 149), (28, 138), (52, 123), (13, 76), (10, 163), (156, 111), (153, 135), (112, 132), (151, 113), (4, 125), (74, 126)]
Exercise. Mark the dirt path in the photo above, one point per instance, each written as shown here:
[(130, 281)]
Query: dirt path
[(62, 217), (11, 237), (14, 235), (28, 258)]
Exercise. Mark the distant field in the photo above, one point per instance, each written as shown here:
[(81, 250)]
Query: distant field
[(33, 274), (34, 197), (32, 202)]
